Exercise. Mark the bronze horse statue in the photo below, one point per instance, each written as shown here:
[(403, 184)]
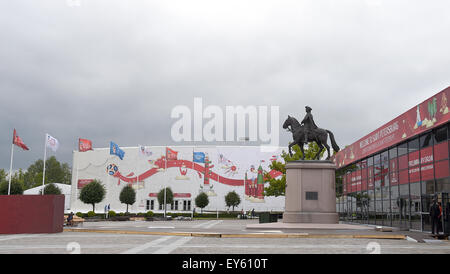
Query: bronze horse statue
[(317, 135)]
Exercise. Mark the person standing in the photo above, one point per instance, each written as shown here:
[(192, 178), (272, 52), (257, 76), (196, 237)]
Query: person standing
[(69, 219), (440, 217), (434, 215)]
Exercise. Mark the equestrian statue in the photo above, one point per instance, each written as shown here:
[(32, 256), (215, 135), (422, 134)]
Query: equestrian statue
[(307, 131)]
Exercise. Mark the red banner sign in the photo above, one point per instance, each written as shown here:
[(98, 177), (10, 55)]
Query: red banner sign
[(83, 182)]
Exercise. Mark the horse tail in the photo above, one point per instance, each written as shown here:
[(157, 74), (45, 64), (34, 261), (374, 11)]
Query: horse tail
[(333, 142)]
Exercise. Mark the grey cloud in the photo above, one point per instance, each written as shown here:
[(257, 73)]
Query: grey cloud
[(111, 70)]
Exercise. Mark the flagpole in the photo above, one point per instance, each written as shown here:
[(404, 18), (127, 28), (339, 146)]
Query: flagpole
[(45, 157), (165, 171), (10, 168)]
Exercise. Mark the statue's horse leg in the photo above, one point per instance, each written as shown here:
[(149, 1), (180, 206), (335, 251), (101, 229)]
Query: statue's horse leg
[(303, 151), (328, 150), (317, 156)]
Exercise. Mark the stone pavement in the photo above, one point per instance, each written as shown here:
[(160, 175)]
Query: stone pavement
[(213, 237)]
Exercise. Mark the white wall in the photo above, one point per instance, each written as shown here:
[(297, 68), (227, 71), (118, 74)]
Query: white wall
[(93, 165)]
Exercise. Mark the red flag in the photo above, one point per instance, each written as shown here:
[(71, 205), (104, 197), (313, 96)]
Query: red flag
[(171, 154), (84, 145), (18, 142)]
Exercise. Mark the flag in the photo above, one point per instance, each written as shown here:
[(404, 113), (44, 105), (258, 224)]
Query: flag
[(114, 149), (171, 154), (199, 157), (18, 141), (51, 142), (144, 151), (84, 145)]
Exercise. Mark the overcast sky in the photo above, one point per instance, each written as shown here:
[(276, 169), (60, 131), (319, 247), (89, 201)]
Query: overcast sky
[(114, 70)]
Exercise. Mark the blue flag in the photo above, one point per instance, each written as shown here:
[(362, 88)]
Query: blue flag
[(114, 149), (199, 157)]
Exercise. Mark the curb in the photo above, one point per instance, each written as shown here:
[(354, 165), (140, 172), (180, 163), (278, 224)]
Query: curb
[(244, 235)]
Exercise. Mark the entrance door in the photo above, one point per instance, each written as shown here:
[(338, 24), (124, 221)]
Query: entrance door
[(426, 219)]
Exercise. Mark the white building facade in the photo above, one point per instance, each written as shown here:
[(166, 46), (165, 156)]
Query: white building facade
[(187, 170)]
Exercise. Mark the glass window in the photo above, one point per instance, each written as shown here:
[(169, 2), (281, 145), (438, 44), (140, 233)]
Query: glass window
[(413, 145), (443, 185), (376, 159), (393, 153), (440, 134), (428, 187), (384, 156), (415, 206), (425, 140), (402, 149), (370, 161)]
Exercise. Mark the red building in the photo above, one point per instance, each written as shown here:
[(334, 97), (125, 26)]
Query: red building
[(390, 176)]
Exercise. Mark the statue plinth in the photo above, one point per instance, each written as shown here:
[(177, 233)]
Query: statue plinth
[(310, 192)]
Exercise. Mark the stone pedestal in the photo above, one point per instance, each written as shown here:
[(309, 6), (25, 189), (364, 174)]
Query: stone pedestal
[(310, 193)]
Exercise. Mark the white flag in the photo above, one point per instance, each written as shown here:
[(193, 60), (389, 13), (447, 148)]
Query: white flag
[(144, 151), (52, 143)]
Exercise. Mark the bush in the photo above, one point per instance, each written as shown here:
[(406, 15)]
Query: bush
[(79, 214), (93, 193), (111, 213), (91, 214), (127, 196), (149, 214), (51, 189)]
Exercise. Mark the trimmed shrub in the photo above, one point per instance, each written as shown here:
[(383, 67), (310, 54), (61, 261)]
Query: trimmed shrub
[(51, 189), (111, 213), (149, 214), (91, 214)]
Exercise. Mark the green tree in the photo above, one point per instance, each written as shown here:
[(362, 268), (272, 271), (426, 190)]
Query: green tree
[(93, 193), (3, 177), (127, 196), (169, 196), (51, 189), (232, 199), (277, 187), (55, 172), (16, 188), (202, 201)]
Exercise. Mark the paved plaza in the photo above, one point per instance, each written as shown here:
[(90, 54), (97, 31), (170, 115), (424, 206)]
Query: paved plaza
[(216, 237)]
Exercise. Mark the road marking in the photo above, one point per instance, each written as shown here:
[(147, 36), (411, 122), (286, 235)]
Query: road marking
[(170, 227), (14, 237), (208, 224), (147, 245), (171, 247)]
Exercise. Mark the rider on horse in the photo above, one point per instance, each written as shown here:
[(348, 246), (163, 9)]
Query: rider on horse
[(308, 122)]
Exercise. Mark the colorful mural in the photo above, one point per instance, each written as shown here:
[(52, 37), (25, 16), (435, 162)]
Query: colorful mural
[(212, 170)]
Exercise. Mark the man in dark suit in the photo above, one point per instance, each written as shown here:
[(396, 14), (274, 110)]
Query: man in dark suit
[(434, 215)]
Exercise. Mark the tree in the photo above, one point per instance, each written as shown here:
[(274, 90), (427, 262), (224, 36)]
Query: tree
[(93, 193), (127, 196), (51, 189), (202, 200), (232, 199), (55, 172), (16, 188), (169, 196), (277, 187)]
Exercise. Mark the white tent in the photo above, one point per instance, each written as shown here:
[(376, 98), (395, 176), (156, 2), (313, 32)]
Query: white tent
[(65, 189)]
